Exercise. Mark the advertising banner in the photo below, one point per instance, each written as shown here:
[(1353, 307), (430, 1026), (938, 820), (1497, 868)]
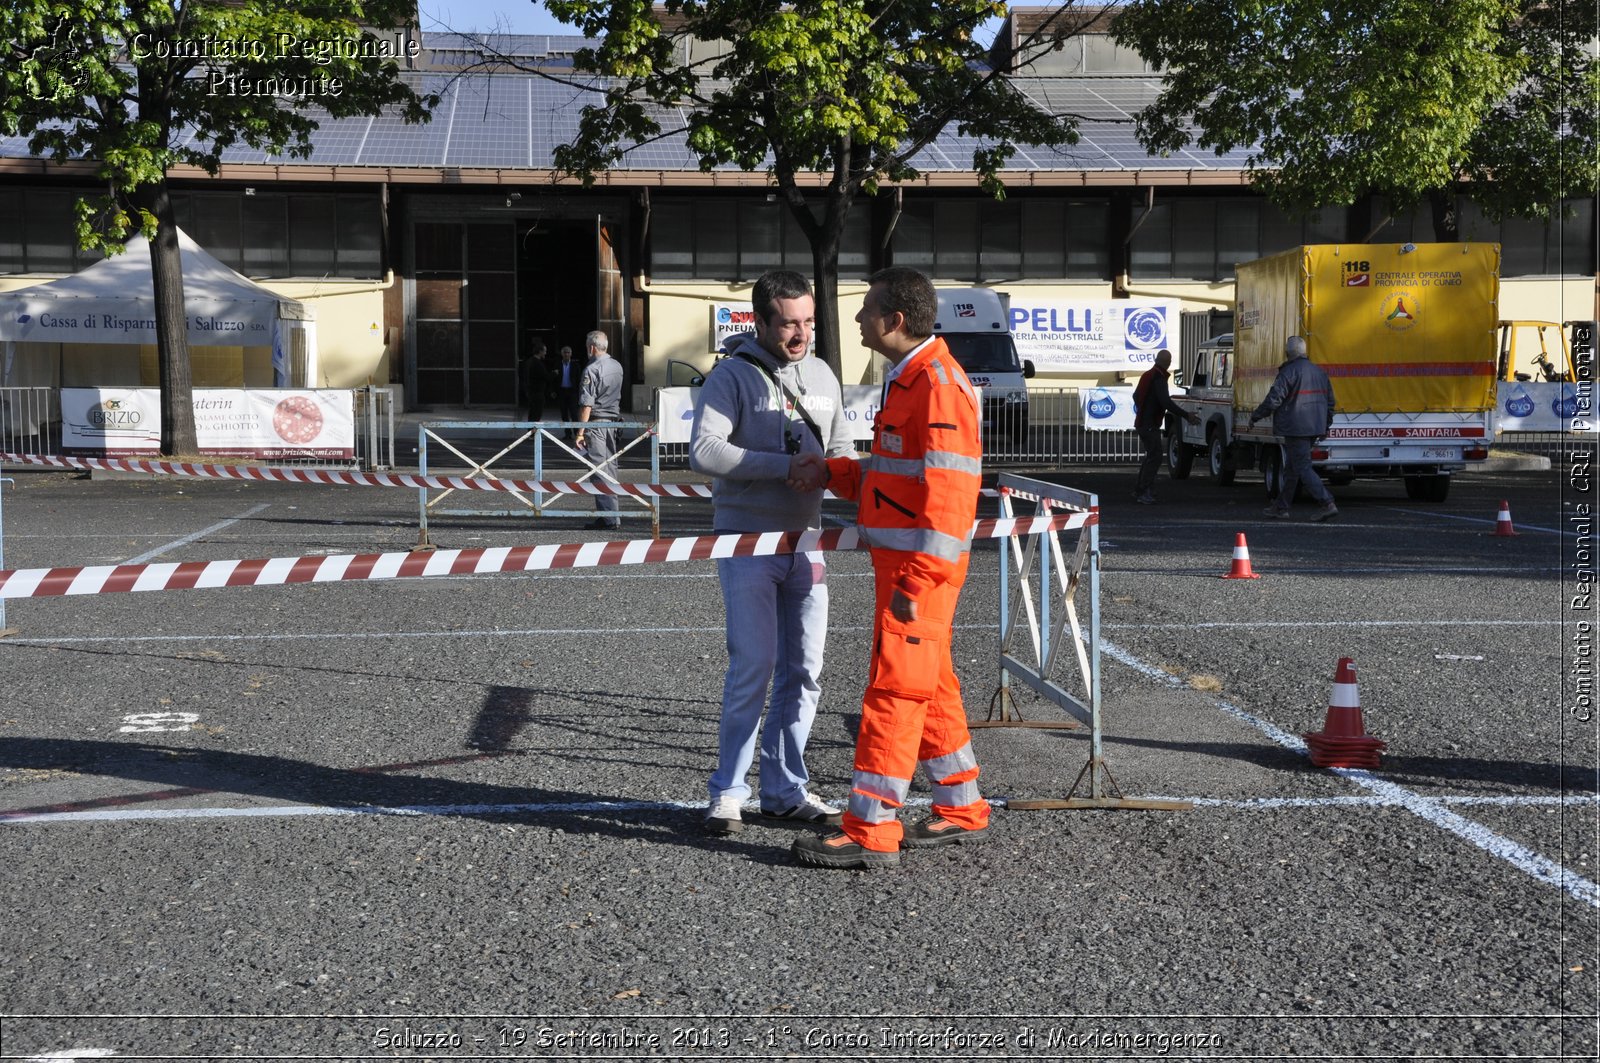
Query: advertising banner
[(1093, 335), (1108, 409), (675, 411), (730, 319), (1529, 406), (261, 423)]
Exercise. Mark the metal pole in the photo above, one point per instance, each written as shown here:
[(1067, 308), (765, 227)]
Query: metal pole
[(4, 631), (422, 492), (655, 478), (1094, 649)]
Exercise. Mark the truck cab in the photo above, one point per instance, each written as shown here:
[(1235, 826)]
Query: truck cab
[(1206, 375), (976, 325)]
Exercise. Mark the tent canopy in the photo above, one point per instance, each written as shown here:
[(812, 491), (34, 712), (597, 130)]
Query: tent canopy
[(113, 301)]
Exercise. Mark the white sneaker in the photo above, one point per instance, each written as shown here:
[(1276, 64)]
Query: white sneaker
[(812, 810), (722, 816)]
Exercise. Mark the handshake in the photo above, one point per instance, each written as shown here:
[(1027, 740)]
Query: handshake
[(807, 472)]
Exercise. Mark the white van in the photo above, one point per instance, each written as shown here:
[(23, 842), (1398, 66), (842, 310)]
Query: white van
[(976, 326)]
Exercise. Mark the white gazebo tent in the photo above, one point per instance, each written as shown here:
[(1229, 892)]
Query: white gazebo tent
[(97, 327)]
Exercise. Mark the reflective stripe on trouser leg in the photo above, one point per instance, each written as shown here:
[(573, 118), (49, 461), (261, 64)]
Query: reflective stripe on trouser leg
[(874, 798), (955, 787), (897, 730)]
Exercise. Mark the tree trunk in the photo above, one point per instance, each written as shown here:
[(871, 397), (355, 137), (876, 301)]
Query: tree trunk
[(172, 324), (825, 269), (1446, 221)]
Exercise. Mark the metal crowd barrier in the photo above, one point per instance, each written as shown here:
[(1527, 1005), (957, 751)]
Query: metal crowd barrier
[(30, 423), (1056, 436), (1042, 632), (30, 420), (517, 450)]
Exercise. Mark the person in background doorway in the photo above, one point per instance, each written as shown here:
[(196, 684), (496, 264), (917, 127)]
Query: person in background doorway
[(1300, 404), (535, 376), (566, 376), (767, 416), (600, 399), (1151, 404)]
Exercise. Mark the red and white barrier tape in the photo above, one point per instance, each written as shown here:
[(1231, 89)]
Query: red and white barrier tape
[(289, 474), (192, 575)]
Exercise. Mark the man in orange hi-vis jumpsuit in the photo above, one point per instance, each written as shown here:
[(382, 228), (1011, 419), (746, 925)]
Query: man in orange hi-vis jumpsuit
[(916, 496)]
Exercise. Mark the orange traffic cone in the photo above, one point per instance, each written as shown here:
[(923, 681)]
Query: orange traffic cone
[(1241, 561), (1502, 524), (1343, 741)]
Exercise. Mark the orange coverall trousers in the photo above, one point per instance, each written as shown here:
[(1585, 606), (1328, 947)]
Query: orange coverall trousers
[(912, 714)]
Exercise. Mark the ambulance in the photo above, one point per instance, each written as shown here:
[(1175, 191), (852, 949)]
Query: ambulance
[(976, 325)]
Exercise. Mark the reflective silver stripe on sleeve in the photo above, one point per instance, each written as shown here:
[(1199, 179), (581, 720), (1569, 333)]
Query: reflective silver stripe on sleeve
[(880, 787), (958, 796), (953, 763), (915, 540), (938, 371), (910, 468), (949, 459), (966, 385)]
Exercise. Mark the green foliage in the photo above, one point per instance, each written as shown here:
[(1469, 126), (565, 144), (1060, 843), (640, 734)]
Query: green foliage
[(851, 89), (120, 82), (833, 86), (1404, 98)]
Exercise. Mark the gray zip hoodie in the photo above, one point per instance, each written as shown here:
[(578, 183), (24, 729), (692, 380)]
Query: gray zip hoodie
[(738, 438)]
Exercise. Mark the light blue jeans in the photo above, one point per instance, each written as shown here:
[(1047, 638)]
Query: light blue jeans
[(777, 621)]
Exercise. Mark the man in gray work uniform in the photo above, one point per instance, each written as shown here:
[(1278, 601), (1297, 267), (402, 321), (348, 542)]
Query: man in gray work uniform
[(1301, 406), (600, 399)]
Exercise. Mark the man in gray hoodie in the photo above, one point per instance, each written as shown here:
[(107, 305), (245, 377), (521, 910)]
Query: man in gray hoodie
[(1301, 407), (767, 415)]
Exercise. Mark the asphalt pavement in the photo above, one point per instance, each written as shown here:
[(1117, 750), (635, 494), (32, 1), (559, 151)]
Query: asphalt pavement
[(459, 816)]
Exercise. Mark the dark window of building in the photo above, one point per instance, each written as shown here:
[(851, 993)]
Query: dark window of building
[(1535, 247), (264, 232), (672, 240), (992, 241), (724, 239), (216, 226), (313, 247), (1087, 257), (40, 237), (1206, 237)]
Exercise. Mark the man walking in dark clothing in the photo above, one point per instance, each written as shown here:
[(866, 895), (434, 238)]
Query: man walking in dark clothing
[(1151, 404), (1301, 407)]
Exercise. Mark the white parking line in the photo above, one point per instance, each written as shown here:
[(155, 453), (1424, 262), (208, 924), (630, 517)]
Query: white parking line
[(187, 539), (1430, 809), (1476, 520)]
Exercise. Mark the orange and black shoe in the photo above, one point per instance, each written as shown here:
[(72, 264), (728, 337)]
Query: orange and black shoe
[(837, 850), (937, 830)]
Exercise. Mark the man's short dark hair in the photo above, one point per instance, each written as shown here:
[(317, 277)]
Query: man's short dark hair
[(774, 285), (908, 292)]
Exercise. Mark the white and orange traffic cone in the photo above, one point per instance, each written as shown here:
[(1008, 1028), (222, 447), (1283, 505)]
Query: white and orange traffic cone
[(1241, 561), (1502, 524), (1343, 741)]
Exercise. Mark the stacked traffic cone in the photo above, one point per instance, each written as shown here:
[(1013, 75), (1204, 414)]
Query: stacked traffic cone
[(1343, 741), (1502, 524), (1241, 561)]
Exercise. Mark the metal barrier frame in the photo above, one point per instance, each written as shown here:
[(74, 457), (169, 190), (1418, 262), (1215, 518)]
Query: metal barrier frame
[(537, 503), (1053, 623)]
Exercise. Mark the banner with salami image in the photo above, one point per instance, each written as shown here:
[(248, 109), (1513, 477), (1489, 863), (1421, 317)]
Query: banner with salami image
[(266, 423)]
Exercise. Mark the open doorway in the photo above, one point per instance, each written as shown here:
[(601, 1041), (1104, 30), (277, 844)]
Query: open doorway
[(556, 263)]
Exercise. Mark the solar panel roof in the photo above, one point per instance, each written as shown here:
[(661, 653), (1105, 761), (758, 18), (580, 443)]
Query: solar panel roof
[(509, 120)]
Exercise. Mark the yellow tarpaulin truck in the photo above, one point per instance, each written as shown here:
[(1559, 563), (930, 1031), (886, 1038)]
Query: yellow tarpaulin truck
[(1406, 333)]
